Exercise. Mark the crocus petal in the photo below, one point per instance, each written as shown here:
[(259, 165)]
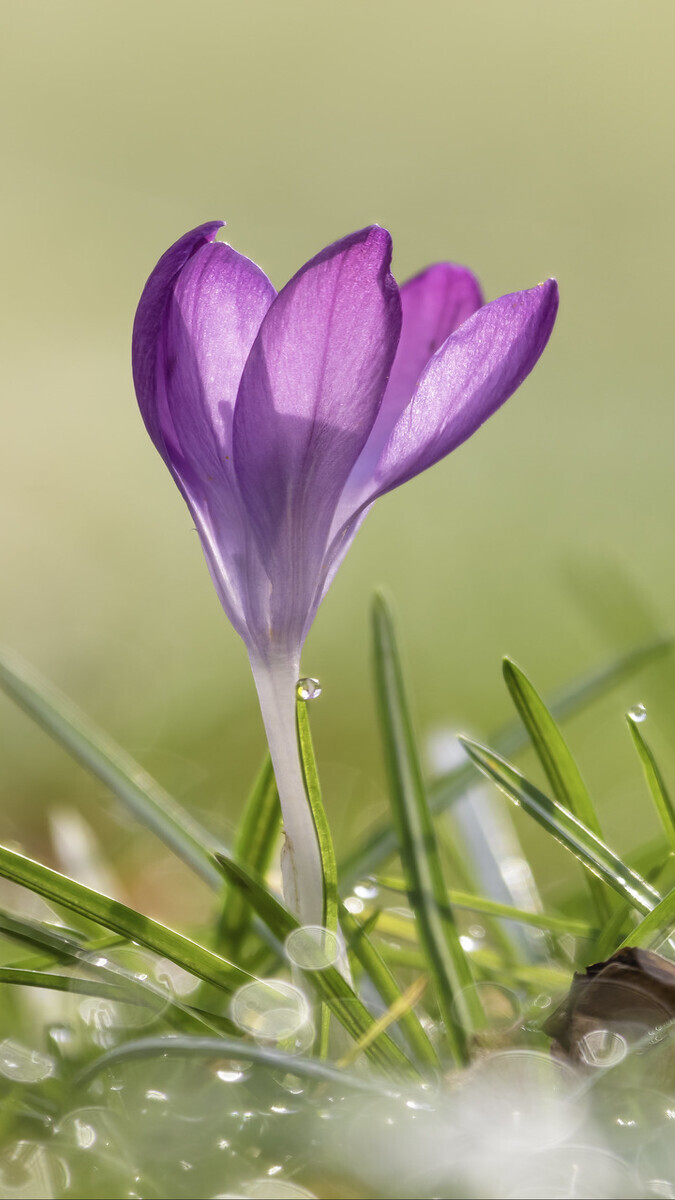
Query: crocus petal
[(434, 304), (473, 373), (213, 315), (308, 397), (199, 314), (149, 320)]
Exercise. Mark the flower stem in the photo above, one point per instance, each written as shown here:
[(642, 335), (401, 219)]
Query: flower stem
[(300, 858)]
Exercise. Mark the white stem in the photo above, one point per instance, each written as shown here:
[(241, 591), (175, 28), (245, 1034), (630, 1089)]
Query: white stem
[(300, 859)]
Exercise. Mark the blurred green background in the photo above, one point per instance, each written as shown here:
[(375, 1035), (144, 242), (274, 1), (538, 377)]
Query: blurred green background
[(524, 139)]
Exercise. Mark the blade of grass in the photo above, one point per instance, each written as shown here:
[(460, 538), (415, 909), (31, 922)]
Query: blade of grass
[(47, 938), (120, 919), (71, 983), (254, 846), (381, 843), (401, 1007), (590, 851), (227, 1047), (495, 908), (363, 949), (655, 781), (330, 985), (656, 927), (310, 777), (489, 965), (58, 947), (418, 849), (560, 767), (100, 755), (313, 790)]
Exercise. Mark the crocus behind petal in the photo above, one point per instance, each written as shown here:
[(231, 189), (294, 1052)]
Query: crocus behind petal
[(473, 373), (149, 319), (434, 304)]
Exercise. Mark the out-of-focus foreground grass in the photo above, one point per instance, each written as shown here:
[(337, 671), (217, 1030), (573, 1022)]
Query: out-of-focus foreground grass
[(522, 139)]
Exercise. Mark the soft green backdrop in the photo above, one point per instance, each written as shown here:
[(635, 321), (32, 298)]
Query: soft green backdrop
[(522, 138)]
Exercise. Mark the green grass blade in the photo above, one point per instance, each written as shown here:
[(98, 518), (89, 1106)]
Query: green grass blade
[(310, 777), (656, 927), (210, 1048), (381, 843), (494, 908), (100, 755), (91, 956), (561, 770), (418, 849), (313, 790), (57, 944), (655, 781), (70, 983), (330, 985), (120, 919), (591, 852), (551, 748), (365, 951), (254, 846), (490, 965)]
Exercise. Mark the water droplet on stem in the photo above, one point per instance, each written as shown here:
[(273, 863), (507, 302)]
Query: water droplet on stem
[(307, 688), (637, 713)]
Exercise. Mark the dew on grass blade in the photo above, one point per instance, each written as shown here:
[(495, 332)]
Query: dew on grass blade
[(231, 1070), (313, 947), (308, 688), (22, 1065), (102, 1019), (26, 1170), (568, 1172), (368, 890), (61, 1038), (500, 1004), (276, 1189), (602, 1048), (174, 978), (525, 1098), (270, 1009), (354, 905), (85, 1134), (661, 1187), (637, 713)]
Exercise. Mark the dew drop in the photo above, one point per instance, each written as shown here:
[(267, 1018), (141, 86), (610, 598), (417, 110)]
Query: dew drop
[(500, 1004), (292, 1083), (173, 977), (367, 890), (602, 1048), (270, 1009), (19, 1063), (277, 1189), (637, 713), (85, 1134), (313, 948), (354, 905), (102, 1018), (307, 688), (61, 1037), (230, 1070)]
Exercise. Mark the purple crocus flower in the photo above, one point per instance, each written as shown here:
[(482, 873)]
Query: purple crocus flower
[(283, 416)]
